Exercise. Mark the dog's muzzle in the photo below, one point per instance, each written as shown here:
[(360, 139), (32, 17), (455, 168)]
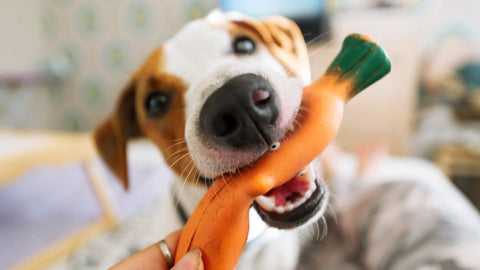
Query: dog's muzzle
[(241, 114)]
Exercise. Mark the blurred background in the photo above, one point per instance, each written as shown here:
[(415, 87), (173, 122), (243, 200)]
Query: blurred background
[(63, 63)]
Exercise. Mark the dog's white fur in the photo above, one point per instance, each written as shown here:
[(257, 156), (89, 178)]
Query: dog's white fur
[(213, 65)]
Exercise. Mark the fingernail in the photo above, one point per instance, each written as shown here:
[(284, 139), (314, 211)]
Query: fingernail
[(191, 260), (198, 256)]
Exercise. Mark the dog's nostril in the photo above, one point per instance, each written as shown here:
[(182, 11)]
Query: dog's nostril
[(241, 114), (260, 97), (225, 125)]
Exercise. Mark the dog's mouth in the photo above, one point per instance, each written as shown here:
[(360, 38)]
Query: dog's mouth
[(293, 203)]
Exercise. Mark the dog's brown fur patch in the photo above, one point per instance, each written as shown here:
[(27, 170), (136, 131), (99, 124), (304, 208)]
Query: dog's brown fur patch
[(168, 131), (283, 39), (130, 120)]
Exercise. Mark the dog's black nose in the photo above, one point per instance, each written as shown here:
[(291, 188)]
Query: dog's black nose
[(241, 114)]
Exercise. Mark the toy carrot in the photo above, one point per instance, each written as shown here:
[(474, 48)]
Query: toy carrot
[(219, 224)]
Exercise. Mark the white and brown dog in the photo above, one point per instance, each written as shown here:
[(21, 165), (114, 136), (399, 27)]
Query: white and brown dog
[(214, 99)]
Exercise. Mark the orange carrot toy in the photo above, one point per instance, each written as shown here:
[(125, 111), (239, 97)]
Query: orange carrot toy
[(219, 224)]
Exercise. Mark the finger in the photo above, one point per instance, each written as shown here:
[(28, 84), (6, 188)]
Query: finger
[(151, 257), (191, 261)]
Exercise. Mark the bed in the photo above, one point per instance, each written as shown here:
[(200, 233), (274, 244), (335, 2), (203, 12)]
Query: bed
[(60, 208)]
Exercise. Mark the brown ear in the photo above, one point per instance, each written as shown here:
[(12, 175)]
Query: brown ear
[(112, 135)]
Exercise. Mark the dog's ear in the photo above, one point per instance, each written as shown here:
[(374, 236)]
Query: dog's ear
[(112, 135)]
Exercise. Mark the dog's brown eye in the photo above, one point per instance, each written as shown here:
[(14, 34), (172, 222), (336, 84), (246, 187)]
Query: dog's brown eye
[(243, 45), (157, 103)]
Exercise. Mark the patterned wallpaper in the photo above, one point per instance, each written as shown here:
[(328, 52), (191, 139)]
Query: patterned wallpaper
[(96, 44)]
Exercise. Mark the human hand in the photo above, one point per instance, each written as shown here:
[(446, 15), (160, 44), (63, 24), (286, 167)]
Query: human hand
[(152, 258)]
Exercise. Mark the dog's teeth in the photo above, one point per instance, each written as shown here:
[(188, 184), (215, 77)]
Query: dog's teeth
[(302, 173), (298, 203), (306, 175), (267, 203)]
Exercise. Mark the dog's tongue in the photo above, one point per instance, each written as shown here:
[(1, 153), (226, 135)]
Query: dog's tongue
[(289, 191)]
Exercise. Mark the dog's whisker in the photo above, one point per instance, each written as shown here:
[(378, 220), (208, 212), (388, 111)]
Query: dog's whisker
[(323, 47), (322, 35), (224, 180), (174, 155), (178, 150), (196, 174), (192, 167), (178, 160), (175, 143), (177, 140), (303, 111), (320, 229), (324, 227), (181, 141), (331, 212), (297, 124), (179, 192), (211, 173), (181, 151), (309, 98), (312, 232), (185, 168), (317, 231)]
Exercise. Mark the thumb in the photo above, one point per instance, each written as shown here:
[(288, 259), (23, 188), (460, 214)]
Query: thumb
[(191, 261)]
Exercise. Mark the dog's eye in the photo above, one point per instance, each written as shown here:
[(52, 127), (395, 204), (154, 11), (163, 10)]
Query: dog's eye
[(243, 45), (157, 103)]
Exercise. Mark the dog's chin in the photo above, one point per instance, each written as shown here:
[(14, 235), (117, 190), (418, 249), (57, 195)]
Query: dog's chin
[(301, 200), (232, 161), (207, 154)]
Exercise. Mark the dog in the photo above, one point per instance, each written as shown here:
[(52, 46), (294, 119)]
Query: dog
[(217, 96)]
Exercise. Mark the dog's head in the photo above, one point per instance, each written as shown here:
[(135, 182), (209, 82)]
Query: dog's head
[(214, 98)]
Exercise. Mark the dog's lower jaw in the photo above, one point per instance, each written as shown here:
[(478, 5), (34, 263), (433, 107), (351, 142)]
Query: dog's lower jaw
[(298, 202)]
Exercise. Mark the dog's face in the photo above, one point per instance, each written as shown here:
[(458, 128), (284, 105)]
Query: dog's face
[(215, 98)]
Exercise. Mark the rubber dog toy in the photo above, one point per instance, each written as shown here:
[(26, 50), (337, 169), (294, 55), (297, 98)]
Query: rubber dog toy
[(220, 223)]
